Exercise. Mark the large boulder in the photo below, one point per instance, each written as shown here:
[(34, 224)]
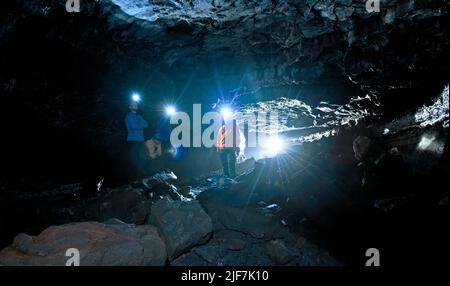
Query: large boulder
[(278, 252), (227, 248), (235, 210), (98, 244), (182, 225)]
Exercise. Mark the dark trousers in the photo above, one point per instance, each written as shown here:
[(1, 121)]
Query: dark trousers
[(137, 156), (228, 158)]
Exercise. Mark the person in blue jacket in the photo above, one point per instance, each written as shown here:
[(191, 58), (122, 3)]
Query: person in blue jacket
[(136, 124)]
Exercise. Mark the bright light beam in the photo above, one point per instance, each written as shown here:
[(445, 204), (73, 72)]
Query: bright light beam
[(170, 110), (226, 112), (273, 146), (136, 97)]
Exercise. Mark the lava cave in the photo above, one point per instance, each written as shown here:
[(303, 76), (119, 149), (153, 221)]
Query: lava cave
[(357, 159)]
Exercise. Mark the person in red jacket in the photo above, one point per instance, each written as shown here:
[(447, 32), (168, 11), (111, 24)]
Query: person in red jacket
[(228, 142)]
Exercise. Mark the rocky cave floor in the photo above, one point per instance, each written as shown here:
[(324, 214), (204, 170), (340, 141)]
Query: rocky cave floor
[(312, 206), (210, 224)]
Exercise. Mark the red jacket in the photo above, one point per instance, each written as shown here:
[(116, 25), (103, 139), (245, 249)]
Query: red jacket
[(229, 135)]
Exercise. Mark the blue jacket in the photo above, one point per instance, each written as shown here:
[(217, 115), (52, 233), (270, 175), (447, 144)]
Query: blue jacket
[(135, 124), (162, 130)]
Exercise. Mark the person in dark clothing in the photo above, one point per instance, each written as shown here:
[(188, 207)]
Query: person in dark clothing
[(136, 124), (228, 160)]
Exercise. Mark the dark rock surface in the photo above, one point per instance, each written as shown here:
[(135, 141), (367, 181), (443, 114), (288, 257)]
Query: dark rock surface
[(321, 53), (332, 70), (302, 37), (317, 48), (181, 224), (130, 203), (278, 252), (228, 247), (98, 244), (316, 205)]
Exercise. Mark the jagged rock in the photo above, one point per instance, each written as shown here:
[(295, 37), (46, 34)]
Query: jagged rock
[(217, 252), (131, 205), (217, 226), (310, 36), (269, 210), (48, 192), (210, 253), (361, 146), (181, 224), (390, 204), (23, 242), (159, 178), (114, 221), (301, 241), (234, 244), (231, 240), (252, 255), (165, 189), (186, 191), (232, 209), (189, 259), (98, 244), (278, 251), (159, 186)]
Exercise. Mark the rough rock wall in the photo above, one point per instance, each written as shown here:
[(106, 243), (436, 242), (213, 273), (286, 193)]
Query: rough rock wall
[(73, 71), (277, 41)]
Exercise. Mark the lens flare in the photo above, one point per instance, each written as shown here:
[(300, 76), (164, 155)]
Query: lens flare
[(170, 110), (273, 146), (226, 112), (136, 97)]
